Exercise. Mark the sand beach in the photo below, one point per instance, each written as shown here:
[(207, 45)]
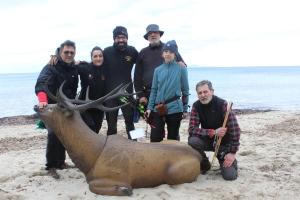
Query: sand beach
[(268, 159)]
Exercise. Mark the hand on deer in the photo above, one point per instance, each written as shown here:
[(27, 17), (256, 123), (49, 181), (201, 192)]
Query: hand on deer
[(220, 132), (42, 105)]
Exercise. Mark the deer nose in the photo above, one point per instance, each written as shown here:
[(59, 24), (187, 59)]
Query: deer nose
[(36, 108)]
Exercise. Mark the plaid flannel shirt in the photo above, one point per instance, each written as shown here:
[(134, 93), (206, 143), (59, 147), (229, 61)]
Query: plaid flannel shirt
[(232, 125)]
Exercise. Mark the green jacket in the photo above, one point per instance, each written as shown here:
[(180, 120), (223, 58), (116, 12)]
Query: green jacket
[(169, 80)]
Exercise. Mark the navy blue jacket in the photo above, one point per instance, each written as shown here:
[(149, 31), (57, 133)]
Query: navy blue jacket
[(53, 76)]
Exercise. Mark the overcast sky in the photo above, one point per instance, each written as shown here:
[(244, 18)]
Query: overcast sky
[(208, 33)]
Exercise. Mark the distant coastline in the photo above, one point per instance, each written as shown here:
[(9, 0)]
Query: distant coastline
[(242, 67), (189, 66), (31, 119)]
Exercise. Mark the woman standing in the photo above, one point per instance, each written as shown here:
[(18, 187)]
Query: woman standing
[(170, 82), (92, 76)]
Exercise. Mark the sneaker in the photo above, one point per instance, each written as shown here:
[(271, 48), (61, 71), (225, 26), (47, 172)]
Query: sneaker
[(205, 166)]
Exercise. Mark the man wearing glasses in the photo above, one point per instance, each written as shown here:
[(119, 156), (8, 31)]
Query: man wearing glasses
[(52, 77)]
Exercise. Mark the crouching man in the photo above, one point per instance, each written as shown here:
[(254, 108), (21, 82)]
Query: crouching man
[(205, 124)]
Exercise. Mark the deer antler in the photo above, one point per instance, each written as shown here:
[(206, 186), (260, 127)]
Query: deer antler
[(74, 101), (80, 105)]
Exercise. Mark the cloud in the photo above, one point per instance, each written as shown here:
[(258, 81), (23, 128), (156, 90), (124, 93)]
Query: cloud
[(208, 33)]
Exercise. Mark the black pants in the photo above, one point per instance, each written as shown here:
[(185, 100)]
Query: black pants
[(202, 144), (158, 129), (55, 152), (93, 119), (112, 117)]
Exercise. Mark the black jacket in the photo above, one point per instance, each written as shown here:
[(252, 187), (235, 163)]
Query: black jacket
[(93, 77), (149, 58), (118, 65), (53, 76)]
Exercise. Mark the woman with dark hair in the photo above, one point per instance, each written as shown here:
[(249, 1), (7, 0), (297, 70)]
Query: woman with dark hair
[(92, 76)]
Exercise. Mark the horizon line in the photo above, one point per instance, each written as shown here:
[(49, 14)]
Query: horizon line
[(189, 66)]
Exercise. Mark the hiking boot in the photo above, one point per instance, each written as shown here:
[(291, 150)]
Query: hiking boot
[(205, 166)]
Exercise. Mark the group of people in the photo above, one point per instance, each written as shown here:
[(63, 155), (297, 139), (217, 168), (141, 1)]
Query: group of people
[(161, 80)]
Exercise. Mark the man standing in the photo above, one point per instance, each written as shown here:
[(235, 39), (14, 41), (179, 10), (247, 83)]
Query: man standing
[(52, 77), (149, 58), (118, 62), (206, 121)]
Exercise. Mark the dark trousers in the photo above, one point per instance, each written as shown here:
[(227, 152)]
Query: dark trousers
[(158, 126), (55, 152), (93, 119), (205, 143), (112, 117)]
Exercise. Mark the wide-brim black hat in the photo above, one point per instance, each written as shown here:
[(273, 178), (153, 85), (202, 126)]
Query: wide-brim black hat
[(152, 28)]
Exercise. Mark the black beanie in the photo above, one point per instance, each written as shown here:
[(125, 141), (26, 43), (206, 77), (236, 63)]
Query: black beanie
[(120, 30)]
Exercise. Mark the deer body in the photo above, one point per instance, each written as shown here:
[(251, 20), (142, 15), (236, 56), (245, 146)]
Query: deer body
[(136, 165), (113, 165)]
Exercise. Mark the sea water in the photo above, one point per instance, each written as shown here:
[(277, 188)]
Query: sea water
[(247, 87)]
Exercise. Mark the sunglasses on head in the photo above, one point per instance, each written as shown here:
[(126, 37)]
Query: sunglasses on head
[(69, 52)]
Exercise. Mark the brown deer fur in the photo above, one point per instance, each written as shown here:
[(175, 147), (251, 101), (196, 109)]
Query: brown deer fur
[(113, 165)]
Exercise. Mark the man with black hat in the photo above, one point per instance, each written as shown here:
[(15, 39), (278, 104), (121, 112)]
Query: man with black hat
[(118, 62), (149, 58)]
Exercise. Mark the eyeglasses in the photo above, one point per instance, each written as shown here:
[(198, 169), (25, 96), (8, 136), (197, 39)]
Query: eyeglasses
[(69, 52)]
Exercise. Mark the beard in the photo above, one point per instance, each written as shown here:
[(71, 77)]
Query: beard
[(206, 100), (120, 45), (155, 44)]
